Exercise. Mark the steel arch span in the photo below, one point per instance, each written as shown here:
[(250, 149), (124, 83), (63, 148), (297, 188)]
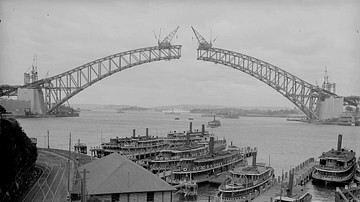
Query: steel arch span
[(60, 88), (301, 93)]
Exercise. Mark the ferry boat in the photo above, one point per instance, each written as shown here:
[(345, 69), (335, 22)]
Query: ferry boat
[(80, 147), (135, 147), (201, 168), (141, 148), (214, 123), (171, 157), (294, 193), (246, 183), (357, 172), (335, 165)]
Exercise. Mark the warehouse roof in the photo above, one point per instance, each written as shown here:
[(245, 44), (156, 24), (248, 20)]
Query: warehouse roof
[(117, 174)]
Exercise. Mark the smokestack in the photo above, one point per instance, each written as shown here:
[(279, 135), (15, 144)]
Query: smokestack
[(254, 159), (187, 139), (190, 127), (231, 143), (147, 132), (211, 145), (339, 143), (203, 129), (291, 183), (133, 133)]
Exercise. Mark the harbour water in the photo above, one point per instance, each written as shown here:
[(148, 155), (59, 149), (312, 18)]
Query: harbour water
[(284, 144)]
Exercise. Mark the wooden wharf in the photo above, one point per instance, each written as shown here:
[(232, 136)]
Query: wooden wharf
[(302, 175)]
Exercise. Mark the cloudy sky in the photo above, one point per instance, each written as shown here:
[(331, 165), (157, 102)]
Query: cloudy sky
[(301, 37)]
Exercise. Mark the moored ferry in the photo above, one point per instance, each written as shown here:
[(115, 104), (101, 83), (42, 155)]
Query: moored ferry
[(135, 147), (335, 165), (142, 148), (201, 168), (171, 157), (357, 172), (246, 182)]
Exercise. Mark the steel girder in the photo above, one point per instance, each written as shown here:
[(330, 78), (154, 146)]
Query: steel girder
[(60, 88), (303, 94)]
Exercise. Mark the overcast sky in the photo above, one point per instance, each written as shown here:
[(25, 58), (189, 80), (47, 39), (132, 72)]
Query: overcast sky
[(301, 37)]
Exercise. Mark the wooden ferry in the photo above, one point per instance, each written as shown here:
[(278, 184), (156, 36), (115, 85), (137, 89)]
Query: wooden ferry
[(357, 172), (135, 147), (172, 157), (141, 148), (201, 168), (335, 165), (246, 182)]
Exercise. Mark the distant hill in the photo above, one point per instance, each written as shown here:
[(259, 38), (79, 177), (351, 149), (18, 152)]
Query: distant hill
[(112, 107)]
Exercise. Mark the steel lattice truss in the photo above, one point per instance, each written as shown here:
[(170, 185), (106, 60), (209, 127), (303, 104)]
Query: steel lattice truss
[(303, 94), (60, 88)]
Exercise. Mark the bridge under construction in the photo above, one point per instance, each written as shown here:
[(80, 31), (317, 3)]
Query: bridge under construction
[(46, 96)]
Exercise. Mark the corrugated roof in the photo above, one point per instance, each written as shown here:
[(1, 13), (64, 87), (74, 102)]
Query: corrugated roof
[(116, 174)]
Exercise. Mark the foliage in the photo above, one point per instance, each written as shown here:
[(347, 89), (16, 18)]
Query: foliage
[(18, 152)]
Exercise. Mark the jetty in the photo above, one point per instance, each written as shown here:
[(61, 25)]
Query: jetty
[(302, 175), (348, 193)]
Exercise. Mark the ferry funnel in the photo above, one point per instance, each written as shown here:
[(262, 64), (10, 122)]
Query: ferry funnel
[(133, 133), (203, 129), (147, 132), (190, 127), (211, 145), (187, 139), (291, 183), (339, 143), (254, 159)]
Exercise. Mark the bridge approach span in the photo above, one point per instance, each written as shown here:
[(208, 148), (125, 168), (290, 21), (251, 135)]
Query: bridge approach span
[(60, 88), (303, 94)]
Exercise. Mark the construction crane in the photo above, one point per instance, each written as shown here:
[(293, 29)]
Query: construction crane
[(203, 44), (166, 42)]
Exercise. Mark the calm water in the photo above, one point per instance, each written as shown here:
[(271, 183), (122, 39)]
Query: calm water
[(286, 143)]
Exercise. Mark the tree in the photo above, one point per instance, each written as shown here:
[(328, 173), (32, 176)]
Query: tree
[(18, 153), (2, 110)]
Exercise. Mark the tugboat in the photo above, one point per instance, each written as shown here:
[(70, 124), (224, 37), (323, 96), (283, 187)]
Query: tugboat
[(336, 166), (188, 190), (214, 123), (294, 194), (246, 183), (357, 172)]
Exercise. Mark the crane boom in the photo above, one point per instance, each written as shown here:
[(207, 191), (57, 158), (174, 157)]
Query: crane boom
[(203, 44), (167, 40)]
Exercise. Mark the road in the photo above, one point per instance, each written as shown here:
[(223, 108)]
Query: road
[(52, 184)]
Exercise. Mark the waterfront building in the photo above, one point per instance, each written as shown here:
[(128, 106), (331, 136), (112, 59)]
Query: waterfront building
[(116, 178)]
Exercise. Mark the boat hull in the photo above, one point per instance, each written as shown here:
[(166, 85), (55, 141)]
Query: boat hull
[(335, 179)]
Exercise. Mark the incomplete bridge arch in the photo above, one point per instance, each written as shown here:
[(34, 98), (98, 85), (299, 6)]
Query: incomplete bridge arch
[(60, 88), (303, 94)]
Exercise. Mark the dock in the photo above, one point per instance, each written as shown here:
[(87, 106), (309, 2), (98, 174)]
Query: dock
[(348, 193), (302, 175)]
